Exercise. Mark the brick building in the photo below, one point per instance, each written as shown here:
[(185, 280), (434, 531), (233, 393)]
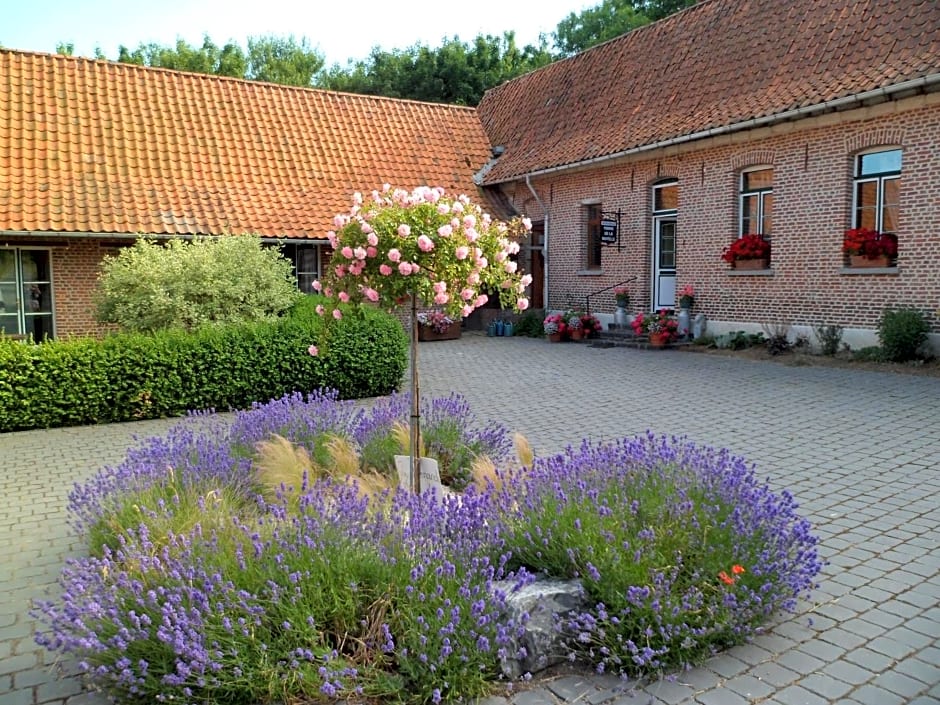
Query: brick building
[(793, 119)]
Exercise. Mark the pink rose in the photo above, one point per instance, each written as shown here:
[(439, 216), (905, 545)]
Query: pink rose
[(313, 350), (404, 230), (384, 270), (404, 269), (317, 286), (462, 252), (337, 314), (360, 253), (510, 267), (440, 287), (522, 304), (340, 271), (526, 223), (344, 297), (370, 294), (371, 251), (320, 310), (466, 311), (445, 231), (467, 294), (425, 244), (394, 255), (347, 252), (481, 300), (371, 238), (469, 221), (441, 298)]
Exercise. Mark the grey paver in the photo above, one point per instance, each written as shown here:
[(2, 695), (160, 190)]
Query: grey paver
[(871, 495)]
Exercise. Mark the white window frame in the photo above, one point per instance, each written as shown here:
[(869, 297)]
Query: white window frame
[(761, 193), (878, 178)]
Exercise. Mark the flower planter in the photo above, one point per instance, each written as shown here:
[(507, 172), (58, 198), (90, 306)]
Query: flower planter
[(751, 264), (659, 340), (426, 334), (555, 337), (863, 261), (576, 333)]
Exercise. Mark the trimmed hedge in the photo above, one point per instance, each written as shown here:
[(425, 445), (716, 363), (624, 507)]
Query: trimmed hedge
[(131, 376)]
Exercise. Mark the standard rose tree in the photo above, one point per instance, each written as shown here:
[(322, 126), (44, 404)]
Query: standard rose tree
[(423, 248)]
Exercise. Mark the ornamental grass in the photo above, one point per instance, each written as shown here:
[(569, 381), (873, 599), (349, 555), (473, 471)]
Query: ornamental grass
[(208, 583)]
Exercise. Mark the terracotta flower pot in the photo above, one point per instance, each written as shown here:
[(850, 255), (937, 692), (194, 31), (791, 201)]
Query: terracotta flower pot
[(659, 340), (864, 262), (576, 333), (555, 337), (751, 264), (427, 334)]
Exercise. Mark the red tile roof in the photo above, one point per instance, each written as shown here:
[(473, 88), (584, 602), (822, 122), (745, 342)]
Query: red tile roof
[(100, 147), (715, 64)]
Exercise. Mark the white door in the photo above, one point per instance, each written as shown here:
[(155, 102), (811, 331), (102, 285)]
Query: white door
[(664, 263)]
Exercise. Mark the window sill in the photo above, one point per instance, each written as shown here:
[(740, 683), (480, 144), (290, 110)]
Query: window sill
[(769, 272), (855, 271), (589, 273)]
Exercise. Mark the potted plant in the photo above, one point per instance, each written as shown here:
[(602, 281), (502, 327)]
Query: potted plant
[(748, 252), (686, 296), (437, 325), (555, 327), (573, 321), (622, 296), (869, 248), (590, 325), (660, 327)]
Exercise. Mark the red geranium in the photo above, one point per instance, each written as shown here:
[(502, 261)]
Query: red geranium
[(870, 243), (747, 247)]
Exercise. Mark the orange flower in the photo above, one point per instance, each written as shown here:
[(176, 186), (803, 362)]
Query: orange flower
[(737, 569), (725, 578)]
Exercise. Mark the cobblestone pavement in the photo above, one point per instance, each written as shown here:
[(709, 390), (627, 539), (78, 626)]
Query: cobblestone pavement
[(859, 450)]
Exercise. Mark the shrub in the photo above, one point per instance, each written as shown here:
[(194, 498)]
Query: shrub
[(139, 376), (902, 333), (323, 591), (185, 284), (529, 325), (829, 338)]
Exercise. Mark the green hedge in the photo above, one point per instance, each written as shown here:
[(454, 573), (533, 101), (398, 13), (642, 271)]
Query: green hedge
[(129, 376)]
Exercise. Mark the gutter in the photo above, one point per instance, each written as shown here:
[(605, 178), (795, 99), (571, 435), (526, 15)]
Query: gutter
[(924, 83), (528, 182), (270, 240)]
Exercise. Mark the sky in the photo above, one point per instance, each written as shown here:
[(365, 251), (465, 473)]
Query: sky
[(341, 30)]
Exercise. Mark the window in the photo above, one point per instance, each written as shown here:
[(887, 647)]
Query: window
[(877, 191), (592, 218), (757, 202), (306, 260)]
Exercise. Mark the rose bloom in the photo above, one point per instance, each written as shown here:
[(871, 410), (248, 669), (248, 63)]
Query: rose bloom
[(522, 304), (313, 350), (425, 244), (384, 270), (344, 297), (404, 269), (441, 298), (394, 255), (347, 252), (404, 230), (462, 252), (337, 314)]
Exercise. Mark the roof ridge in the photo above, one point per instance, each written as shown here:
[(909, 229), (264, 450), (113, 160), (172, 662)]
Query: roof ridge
[(222, 78)]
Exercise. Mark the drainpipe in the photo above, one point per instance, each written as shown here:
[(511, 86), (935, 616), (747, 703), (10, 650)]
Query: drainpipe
[(924, 84), (528, 182)]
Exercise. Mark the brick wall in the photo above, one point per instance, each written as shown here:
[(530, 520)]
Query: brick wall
[(808, 284), (74, 280)]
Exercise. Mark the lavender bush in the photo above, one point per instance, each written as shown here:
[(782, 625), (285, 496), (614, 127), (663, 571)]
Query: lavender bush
[(202, 589), (681, 549)]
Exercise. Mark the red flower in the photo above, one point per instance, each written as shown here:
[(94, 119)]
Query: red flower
[(747, 247), (725, 578), (870, 243), (737, 569)]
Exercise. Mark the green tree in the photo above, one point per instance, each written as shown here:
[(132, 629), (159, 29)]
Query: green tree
[(455, 73), (229, 60), (185, 284), (610, 19), (283, 60)]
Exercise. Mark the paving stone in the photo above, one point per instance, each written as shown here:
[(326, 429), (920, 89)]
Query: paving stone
[(775, 674), (899, 683), (750, 687), (794, 694), (721, 696), (848, 672), (872, 695), (18, 697), (538, 696), (800, 662), (726, 666), (927, 673), (825, 685)]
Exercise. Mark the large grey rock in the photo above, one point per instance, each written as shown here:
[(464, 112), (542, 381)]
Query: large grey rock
[(541, 643)]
